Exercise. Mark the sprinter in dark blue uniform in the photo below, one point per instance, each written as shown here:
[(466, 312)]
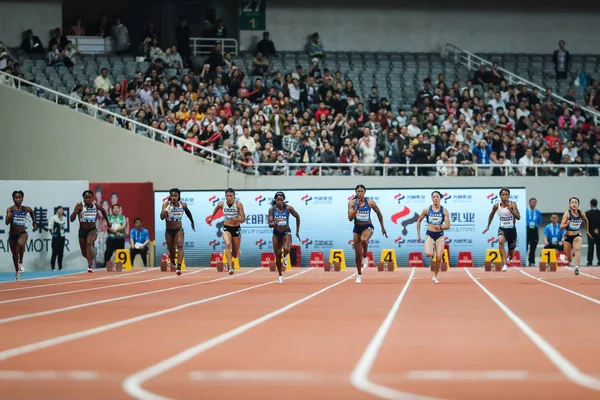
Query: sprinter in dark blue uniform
[(359, 211), (17, 235), (279, 220), (438, 221), (572, 220)]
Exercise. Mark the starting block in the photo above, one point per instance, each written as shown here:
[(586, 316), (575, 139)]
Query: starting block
[(562, 260), (515, 261), (465, 259), (164, 262), (388, 260), (216, 258), (493, 259), (236, 261), (371, 259), (337, 260), (317, 259), (445, 261), (549, 263), (266, 259), (117, 267), (415, 260)]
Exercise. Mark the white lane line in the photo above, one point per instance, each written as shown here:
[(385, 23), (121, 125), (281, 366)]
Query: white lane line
[(42, 277), (111, 300), (47, 375), (563, 364), (133, 384), (73, 282), (583, 296), (360, 375), (29, 348), (583, 273), (251, 375), (450, 375), (172, 276)]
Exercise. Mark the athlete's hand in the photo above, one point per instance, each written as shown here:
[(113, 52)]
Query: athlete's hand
[(35, 227), (418, 238), (384, 232), (589, 235), (298, 236), (193, 227), (79, 207), (9, 212), (485, 230), (165, 205)]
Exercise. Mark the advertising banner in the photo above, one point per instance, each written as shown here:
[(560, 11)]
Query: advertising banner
[(325, 226), (135, 199), (43, 197)]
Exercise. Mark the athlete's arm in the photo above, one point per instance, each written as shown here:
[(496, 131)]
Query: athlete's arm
[(9, 215), (242, 218), (293, 212), (30, 211), (271, 217), (421, 217), (76, 210), (351, 210), (217, 208), (491, 217), (446, 225), (189, 214), (515, 210), (564, 223), (104, 214), (375, 208), (586, 224)]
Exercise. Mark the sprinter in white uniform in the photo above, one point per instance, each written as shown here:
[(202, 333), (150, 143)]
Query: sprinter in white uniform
[(87, 211), (508, 213), (234, 214), (172, 212)]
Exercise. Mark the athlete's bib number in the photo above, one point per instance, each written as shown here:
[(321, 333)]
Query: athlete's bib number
[(362, 216), (506, 222)]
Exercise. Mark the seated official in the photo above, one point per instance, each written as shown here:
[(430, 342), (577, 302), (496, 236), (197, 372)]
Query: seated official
[(553, 235), (139, 239)]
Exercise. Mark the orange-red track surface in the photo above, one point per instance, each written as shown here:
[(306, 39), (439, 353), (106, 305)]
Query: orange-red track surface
[(146, 334)]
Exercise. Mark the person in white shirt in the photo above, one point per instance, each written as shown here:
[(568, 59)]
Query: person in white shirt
[(570, 151), (526, 160), (102, 81), (413, 129), (58, 226), (246, 140)]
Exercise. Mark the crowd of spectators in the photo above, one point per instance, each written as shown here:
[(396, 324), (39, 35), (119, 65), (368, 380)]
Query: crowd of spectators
[(313, 115)]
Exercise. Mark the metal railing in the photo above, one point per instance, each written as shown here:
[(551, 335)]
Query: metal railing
[(371, 169), (473, 62), (203, 46), (154, 134), (92, 44)]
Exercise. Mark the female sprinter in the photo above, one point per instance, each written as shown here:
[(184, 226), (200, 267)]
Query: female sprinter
[(359, 211), (234, 213), (438, 221), (17, 235), (88, 213), (279, 220), (172, 211), (508, 212), (571, 221)]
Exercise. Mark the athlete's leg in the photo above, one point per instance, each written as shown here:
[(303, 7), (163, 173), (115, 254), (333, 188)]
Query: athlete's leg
[(438, 247), (277, 245), (577, 250), (170, 247), (179, 239), (228, 244), (235, 252), (90, 240), (364, 242), (22, 240), (14, 249), (501, 243), (286, 246), (512, 245), (568, 250), (357, 252)]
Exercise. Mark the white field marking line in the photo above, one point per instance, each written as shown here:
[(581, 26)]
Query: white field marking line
[(133, 383), (29, 348), (173, 276), (449, 375), (44, 277), (73, 282), (251, 375), (563, 364), (94, 303), (360, 375), (583, 296), (48, 375), (583, 273)]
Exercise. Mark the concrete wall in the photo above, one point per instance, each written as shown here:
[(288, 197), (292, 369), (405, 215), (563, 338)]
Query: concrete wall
[(390, 25), (43, 141)]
